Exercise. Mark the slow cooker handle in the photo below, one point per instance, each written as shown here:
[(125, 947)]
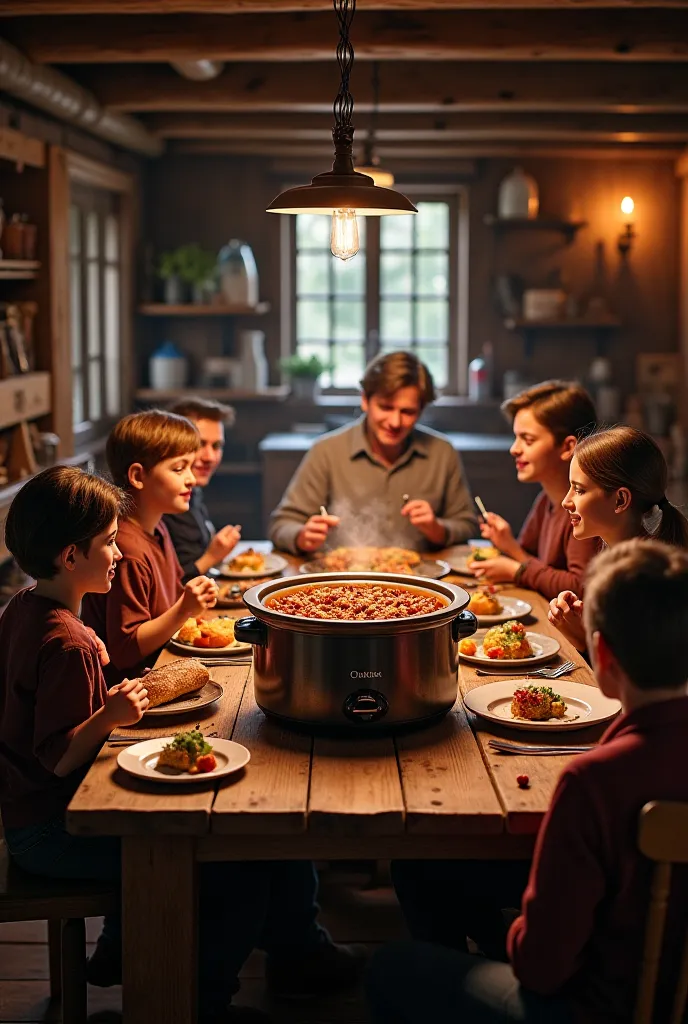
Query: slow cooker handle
[(251, 630), (465, 624)]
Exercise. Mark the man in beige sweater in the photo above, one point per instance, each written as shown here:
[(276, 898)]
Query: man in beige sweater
[(383, 480)]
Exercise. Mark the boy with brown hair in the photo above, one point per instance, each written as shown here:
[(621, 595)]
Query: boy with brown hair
[(576, 949), (150, 455)]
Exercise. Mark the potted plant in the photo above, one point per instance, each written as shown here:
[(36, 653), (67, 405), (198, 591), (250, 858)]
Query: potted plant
[(168, 272), (197, 268), (303, 372)]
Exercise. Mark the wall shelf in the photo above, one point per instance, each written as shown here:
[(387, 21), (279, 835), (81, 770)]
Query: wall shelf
[(533, 329), (18, 270), (190, 310), (275, 393), (568, 228)]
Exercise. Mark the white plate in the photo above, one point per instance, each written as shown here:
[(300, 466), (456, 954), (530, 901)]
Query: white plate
[(141, 759), (544, 648), (208, 694), (512, 608), (586, 705), (208, 652), (273, 564)]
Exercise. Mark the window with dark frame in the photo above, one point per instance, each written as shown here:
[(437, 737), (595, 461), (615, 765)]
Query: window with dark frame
[(95, 257), (399, 292)]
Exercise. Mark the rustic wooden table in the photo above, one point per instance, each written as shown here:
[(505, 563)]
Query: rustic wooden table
[(438, 792)]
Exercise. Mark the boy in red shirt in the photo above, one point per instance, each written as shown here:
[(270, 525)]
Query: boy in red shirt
[(575, 951)]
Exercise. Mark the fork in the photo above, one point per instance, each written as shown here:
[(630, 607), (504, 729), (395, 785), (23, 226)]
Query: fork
[(539, 673), (505, 747)]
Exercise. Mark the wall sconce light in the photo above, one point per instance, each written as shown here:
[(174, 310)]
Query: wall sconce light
[(627, 236)]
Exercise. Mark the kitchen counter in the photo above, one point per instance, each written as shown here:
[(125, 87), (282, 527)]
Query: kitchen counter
[(489, 469)]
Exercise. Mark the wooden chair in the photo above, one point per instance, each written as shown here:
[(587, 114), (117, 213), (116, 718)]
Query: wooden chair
[(64, 905), (663, 838)]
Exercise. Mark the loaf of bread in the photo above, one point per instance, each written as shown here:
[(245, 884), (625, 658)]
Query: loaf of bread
[(175, 679)]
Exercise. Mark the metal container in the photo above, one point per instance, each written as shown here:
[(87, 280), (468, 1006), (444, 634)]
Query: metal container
[(351, 674)]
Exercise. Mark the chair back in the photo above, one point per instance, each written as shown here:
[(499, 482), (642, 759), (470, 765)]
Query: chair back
[(662, 838)]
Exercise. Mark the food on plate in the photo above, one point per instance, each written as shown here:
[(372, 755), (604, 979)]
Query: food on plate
[(231, 593), (507, 641), (484, 602), (355, 601), (174, 680), (537, 703), (200, 632), (483, 553), (468, 646), (247, 561), (188, 752), (368, 559)]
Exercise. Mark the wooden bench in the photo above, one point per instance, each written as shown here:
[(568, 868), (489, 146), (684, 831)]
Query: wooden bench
[(64, 904)]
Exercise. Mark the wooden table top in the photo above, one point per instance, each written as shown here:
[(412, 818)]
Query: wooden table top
[(401, 792)]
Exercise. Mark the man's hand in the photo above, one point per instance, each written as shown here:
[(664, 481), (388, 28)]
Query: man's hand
[(223, 542), (126, 702), (421, 515), (566, 613), (103, 656), (498, 532), (314, 533), (200, 594), (495, 570)]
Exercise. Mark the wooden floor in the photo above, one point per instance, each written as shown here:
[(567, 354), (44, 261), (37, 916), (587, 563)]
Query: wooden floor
[(352, 910)]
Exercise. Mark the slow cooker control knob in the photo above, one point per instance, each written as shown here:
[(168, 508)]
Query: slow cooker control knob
[(365, 706)]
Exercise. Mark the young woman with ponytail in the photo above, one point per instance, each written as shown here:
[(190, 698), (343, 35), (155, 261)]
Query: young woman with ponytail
[(617, 491)]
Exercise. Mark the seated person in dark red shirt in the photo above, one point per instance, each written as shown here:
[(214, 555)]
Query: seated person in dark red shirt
[(55, 709), (149, 455), (575, 951), (198, 545), (548, 420)]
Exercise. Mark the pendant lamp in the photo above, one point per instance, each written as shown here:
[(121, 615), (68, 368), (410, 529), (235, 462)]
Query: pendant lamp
[(343, 193), (371, 161)]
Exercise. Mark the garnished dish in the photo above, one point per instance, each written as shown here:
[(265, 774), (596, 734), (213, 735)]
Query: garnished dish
[(483, 554), (188, 752), (213, 636), (369, 559), (537, 704), (484, 602), (248, 561), (355, 601), (508, 640), (251, 564)]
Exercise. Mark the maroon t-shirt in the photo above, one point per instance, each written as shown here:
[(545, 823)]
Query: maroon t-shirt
[(50, 683), (147, 583), (559, 560)]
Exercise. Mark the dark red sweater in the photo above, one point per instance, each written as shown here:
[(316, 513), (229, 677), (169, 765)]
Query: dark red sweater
[(558, 560), (581, 930)]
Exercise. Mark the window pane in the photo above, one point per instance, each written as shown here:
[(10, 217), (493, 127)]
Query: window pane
[(435, 358), (432, 226), (348, 365), (312, 273), (93, 309), (112, 348), (111, 238), (396, 320), (92, 247), (94, 376), (77, 398), (75, 310), (432, 320), (396, 276), (348, 320), (313, 231), (312, 319), (349, 275), (396, 232), (74, 230), (432, 273)]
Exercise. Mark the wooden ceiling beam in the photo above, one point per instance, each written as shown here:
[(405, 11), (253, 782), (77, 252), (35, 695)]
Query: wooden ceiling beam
[(421, 128), (17, 8), (588, 35), (404, 87)]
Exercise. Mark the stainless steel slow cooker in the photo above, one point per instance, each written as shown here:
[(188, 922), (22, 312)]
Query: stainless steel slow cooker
[(358, 675)]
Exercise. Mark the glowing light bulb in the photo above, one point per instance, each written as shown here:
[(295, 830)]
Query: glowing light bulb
[(627, 206), (344, 236)]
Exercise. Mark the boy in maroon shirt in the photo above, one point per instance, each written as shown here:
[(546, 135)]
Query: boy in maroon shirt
[(575, 950), (150, 455)]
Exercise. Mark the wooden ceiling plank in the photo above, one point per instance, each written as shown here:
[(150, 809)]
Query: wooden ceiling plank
[(16, 8), (589, 35), (404, 87)]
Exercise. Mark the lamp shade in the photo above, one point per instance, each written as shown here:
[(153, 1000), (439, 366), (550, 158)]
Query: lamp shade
[(331, 191)]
